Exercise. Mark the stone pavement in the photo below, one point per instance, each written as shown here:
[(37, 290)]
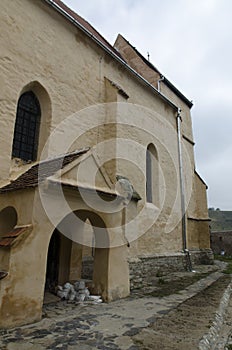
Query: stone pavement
[(68, 326)]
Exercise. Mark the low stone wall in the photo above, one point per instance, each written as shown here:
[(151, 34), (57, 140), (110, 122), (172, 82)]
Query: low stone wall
[(209, 341), (144, 268), (202, 257)]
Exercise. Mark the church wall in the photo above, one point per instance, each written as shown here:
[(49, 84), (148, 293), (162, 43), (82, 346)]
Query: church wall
[(72, 78)]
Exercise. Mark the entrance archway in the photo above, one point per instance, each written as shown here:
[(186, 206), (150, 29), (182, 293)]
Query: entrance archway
[(58, 261), (66, 248), (99, 245)]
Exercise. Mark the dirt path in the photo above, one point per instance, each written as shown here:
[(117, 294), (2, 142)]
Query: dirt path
[(183, 327)]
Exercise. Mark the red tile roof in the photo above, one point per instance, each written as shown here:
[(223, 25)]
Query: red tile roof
[(165, 80), (41, 171), (8, 239), (6, 242)]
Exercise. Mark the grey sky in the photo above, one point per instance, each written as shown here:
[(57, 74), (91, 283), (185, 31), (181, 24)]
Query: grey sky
[(190, 42)]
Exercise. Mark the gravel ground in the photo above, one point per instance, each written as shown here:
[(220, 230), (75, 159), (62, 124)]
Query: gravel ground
[(174, 312), (183, 327)]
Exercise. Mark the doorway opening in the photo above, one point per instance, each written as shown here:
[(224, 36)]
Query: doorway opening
[(79, 252), (58, 261)]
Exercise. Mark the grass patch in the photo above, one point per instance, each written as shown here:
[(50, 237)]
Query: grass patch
[(166, 288), (159, 273), (161, 280), (228, 260)]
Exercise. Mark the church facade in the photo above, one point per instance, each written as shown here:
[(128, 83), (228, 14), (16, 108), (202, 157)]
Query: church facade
[(97, 175)]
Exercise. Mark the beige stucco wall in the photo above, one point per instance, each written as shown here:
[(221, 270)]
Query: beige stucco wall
[(30, 58), (71, 77), (74, 86), (195, 189), (198, 205), (198, 220), (68, 88), (22, 291), (152, 76)]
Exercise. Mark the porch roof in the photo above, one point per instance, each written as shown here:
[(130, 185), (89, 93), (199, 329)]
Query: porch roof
[(8, 239), (41, 171), (44, 170)]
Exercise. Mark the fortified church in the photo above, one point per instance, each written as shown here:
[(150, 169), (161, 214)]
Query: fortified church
[(97, 177)]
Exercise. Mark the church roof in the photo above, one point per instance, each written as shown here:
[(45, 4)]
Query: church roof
[(165, 80)]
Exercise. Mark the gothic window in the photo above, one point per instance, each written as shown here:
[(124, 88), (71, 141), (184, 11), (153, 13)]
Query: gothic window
[(26, 132), (149, 176), (152, 175)]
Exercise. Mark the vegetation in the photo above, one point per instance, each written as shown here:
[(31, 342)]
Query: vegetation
[(167, 286), (220, 220), (228, 260)]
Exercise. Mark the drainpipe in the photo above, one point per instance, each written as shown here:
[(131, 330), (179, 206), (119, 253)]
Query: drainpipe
[(182, 192)]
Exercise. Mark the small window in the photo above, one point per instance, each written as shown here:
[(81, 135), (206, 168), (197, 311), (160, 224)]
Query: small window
[(149, 176), (26, 132), (152, 175)]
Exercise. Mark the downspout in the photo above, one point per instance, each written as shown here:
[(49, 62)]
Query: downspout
[(182, 192)]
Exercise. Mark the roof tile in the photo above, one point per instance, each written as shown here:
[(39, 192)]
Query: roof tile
[(8, 239), (41, 171)]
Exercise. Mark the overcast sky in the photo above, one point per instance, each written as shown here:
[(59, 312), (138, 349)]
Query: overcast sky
[(190, 42)]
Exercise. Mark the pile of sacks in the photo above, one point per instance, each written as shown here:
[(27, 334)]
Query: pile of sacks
[(77, 292)]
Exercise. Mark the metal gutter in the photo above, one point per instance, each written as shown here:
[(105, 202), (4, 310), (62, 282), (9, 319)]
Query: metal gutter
[(177, 92), (110, 52), (182, 192)]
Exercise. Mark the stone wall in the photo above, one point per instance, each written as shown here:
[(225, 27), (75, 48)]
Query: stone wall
[(87, 268), (202, 257), (143, 269), (221, 241)]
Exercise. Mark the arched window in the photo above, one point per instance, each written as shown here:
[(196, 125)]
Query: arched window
[(152, 175), (26, 132)]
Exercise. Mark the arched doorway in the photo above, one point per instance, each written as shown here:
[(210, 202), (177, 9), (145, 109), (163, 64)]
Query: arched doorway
[(58, 261), (53, 263), (67, 248), (98, 245)]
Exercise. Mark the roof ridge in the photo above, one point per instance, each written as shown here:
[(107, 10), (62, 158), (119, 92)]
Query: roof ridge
[(60, 156), (141, 55), (167, 81)]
